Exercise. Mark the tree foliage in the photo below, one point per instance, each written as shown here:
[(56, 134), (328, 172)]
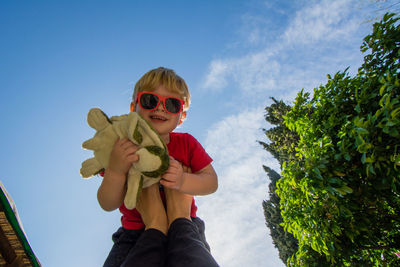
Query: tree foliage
[(281, 146), (340, 188)]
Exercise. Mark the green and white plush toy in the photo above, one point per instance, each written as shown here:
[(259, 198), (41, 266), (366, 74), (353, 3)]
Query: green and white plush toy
[(153, 153)]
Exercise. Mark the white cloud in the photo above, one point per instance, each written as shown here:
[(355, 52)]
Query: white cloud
[(235, 224), (321, 38), (216, 75), (253, 73), (235, 134), (322, 22), (253, 28)]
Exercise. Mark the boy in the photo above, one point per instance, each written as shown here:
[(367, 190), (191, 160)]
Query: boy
[(162, 98)]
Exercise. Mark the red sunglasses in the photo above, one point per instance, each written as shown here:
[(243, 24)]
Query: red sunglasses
[(150, 101)]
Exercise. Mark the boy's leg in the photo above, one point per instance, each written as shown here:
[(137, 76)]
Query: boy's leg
[(201, 228), (150, 249), (124, 241), (185, 247)]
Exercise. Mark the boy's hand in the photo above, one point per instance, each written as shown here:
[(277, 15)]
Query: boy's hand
[(122, 156), (173, 178), (186, 169)]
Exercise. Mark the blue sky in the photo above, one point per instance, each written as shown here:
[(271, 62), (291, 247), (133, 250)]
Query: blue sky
[(58, 59)]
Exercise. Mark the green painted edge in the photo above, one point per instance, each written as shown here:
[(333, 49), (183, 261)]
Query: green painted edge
[(15, 225)]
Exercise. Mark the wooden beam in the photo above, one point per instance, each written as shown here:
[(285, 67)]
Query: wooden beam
[(6, 249)]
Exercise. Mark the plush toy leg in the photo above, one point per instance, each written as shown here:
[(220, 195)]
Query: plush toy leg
[(134, 187), (90, 167), (149, 181), (92, 144)]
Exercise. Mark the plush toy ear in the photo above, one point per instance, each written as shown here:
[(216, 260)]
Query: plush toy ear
[(183, 117)]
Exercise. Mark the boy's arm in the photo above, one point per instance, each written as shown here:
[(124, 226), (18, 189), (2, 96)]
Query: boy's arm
[(202, 182), (112, 190)]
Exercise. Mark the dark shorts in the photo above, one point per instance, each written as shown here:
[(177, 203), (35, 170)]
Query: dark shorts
[(125, 240)]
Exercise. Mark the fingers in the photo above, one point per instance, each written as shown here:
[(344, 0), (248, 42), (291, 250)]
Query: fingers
[(167, 178), (169, 184), (176, 164), (127, 149), (123, 155), (132, 158), (173, 162), (125, 144), (173, 177), (173, 169), (130, 151), (186, 169), (172, 173)]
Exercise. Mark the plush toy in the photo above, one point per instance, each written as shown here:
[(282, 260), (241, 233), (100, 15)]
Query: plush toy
[(153, 154)]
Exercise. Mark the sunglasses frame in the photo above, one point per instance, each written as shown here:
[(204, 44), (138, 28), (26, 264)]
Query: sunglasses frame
[(160, 98)]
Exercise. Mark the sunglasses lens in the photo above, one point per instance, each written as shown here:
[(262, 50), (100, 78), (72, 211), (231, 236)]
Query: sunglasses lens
[(148, 101), (173, 105)]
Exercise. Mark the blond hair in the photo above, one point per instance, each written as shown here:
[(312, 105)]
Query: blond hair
[(165, 77)]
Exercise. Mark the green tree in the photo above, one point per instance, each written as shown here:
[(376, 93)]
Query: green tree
[(340, 189), (281, 143)]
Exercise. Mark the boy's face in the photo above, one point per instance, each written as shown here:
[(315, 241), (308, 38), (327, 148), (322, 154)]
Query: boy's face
[(161, 120)]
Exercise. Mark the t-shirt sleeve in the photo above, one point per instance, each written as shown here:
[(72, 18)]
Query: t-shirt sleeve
[(198, 156)]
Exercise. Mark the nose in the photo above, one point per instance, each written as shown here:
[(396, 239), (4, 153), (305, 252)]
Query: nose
[(161, 106)]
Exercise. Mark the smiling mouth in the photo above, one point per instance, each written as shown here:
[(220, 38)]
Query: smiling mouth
[(154, 117)]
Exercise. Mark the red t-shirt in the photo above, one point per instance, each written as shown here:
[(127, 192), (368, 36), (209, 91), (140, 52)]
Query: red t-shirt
[(184, 148)]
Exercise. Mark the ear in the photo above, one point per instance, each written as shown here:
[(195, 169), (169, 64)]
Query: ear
[(133, 106), (183, 117)]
